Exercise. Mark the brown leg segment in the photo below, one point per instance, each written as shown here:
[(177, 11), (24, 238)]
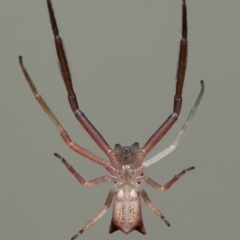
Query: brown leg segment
[(150, 205), (62, 131), (182, 63), (99, 215), (85, 183), (66, 75), (159, 187)]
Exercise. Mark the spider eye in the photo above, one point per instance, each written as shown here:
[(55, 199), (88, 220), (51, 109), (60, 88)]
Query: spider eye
[(126, 152)]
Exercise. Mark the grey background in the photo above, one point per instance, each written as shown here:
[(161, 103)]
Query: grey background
[(123, 57)]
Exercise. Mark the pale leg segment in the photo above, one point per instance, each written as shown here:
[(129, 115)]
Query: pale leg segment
[(173, 146)]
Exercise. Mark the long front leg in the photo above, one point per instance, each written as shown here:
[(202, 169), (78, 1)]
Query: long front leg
[(99, 215), (85, 183), (60, 128), (66, 75), (182, 63)]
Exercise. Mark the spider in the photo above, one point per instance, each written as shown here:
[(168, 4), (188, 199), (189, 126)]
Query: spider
[(125, 164)]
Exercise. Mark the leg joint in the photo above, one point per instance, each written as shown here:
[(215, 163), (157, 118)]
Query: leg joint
[(78, 113)]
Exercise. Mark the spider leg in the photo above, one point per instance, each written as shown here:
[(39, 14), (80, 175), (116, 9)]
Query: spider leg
[(159, 187), (85, 183), (62, 131), (182, 63), (173, 146), (99, 215), (66, 75), (151, 206)]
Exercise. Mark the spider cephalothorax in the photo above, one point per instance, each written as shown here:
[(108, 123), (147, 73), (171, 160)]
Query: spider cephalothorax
[(125, 165), (126, 155)]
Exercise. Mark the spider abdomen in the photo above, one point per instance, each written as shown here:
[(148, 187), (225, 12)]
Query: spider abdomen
[(127, 214)]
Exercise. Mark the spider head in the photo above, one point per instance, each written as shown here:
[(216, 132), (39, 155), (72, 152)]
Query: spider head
[(126, 155)]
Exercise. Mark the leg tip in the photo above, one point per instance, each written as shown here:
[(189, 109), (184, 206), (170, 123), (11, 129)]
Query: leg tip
[(75, 236), (168, 224), (57, 155)]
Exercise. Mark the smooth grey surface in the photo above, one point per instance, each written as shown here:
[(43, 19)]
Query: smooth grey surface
[(123, 57)]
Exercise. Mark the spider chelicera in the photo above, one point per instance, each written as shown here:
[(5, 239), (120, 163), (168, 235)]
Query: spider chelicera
[(126, 165)]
